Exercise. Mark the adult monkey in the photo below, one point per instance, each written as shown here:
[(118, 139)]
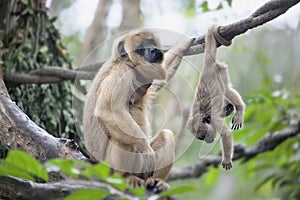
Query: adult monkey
[(115, 119)]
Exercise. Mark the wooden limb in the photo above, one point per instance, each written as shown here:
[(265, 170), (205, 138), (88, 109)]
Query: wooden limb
[(269, 142), (17, 131), (262, 15), (15, 188)]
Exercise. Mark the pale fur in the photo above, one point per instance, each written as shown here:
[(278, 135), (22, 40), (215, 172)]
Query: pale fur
[(214, 92), (116, 129)]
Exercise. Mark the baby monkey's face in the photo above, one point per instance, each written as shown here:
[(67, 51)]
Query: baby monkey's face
[(202, 129), (206, 133)]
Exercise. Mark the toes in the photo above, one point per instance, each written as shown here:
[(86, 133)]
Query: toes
[(151, 183), (156, 185), (226, 165), (193, 41), (135, 182)]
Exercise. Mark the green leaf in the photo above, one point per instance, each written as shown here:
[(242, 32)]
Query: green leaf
[(264, 181), (212, 176), (6, 170), (65, 166), (204, 6), (137, 191), (117, 181), (177, 190), (88, 194), (19, 160), (101, 170), (190, 11), (229, 2)]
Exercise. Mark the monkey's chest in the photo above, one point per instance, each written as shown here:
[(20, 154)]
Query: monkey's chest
[(139, 114), (137, 94)]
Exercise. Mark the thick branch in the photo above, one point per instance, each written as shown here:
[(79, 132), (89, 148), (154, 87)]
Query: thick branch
[(50, 75), (17, 131), (269, 142), (264, 14), (15, 188)]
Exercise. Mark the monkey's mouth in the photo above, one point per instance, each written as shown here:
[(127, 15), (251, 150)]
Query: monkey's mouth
[(208, 138)]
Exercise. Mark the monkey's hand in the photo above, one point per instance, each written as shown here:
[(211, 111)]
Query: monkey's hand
[(156, 185), (186, 45), (147, 158), (237, 120), (226, 164)]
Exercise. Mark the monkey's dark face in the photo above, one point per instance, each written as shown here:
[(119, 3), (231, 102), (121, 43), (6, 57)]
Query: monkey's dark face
[(141, 45), (142, 48), (207, 136), (202, 129), (148, 50)]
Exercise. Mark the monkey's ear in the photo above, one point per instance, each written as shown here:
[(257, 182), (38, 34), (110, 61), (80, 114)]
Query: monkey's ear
[(121, 49)]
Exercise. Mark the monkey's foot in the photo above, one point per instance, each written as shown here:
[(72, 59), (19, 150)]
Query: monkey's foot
[(237, 120), (226, 164), (156, 185), (135, 182)]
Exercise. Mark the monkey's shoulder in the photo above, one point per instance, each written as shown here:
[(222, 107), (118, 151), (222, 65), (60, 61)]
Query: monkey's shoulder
[(114, 68)]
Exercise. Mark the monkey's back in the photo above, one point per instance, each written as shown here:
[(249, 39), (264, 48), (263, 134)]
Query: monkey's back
[(210, 94), (96, 139)]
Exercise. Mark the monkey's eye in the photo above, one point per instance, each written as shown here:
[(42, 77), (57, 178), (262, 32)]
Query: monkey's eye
[(206, 119), (140, 51)]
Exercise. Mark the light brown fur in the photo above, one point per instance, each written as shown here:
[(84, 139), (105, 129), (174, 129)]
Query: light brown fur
[(116, 127), (215, 99)]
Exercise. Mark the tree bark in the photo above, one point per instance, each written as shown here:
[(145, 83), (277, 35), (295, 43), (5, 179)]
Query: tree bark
[(15, 188)]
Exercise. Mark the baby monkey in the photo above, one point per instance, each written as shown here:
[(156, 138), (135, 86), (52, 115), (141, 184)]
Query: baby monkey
[(216, 99)]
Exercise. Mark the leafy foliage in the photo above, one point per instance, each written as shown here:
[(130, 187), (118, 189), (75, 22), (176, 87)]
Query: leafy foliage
[(32, 42), (276, 110)]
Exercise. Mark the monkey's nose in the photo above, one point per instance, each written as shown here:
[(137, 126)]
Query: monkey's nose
[(156, 55)]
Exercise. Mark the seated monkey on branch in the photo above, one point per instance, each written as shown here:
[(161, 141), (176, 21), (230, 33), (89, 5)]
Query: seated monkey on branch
[(215, 99), (116, 128)]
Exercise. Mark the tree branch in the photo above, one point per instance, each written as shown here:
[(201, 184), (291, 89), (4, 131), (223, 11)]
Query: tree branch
[(262, 15), (269, 142), (19, 132), (15, 188)]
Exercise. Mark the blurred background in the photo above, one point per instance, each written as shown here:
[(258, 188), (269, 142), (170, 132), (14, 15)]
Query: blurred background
[(263, 65)]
